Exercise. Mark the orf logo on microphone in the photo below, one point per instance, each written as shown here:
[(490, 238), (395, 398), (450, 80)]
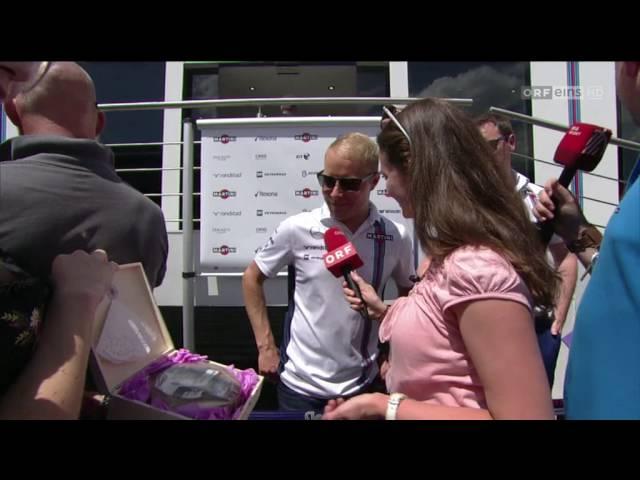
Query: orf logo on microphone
[(339, 254), (344, 255)]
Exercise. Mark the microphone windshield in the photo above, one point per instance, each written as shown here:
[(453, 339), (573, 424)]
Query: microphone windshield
[(334, 238), (582, 146)]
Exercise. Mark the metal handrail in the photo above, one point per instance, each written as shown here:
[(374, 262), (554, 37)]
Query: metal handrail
[(242, 102), (558, 126)]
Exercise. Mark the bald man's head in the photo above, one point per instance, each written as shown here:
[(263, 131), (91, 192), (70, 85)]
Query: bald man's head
[(62, 103)]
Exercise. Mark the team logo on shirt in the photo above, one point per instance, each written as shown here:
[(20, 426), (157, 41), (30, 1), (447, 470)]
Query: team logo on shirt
[(380, 237), (315, 232), (382, 192), (268, 244)]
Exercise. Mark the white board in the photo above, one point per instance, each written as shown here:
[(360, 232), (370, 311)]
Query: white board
[(258, 171)]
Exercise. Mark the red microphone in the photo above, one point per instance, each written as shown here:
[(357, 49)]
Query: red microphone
[(341, 254), (341, 258), (581, 148)]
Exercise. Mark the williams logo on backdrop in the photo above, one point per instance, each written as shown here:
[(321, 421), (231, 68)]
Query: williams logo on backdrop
[(306, 137), (224, 139), (306, 193), (224, 250), (224, 194)]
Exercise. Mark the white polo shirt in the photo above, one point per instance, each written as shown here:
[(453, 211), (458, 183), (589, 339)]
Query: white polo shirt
[(529, 193), (329, 350)]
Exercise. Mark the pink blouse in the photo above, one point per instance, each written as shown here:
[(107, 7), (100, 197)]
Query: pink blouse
[(429, 360)]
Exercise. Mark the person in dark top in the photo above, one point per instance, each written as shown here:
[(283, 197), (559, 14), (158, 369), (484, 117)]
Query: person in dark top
[(59, 191)]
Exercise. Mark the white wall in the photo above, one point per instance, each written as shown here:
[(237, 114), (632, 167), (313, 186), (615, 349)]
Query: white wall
[(597, 111)]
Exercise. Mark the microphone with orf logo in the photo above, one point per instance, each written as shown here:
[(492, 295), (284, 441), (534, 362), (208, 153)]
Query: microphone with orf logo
[(341, 259)]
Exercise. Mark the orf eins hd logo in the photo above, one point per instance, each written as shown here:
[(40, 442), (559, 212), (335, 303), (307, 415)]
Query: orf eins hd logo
[(224, 194), (306, 137), (224, 250), (224, 139), (306, 193)]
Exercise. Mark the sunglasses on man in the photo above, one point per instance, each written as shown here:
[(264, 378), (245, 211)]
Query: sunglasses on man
[(496, 141), (349, 184)]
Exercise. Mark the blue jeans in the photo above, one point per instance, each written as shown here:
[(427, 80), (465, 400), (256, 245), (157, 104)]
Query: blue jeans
[(289, 400), (549, 344), (549, 347)]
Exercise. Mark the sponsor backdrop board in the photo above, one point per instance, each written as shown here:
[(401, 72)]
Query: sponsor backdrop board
[(258, 171)]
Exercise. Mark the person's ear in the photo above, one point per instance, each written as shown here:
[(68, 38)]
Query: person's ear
[(375, 180), (100, 122), (13, 112)]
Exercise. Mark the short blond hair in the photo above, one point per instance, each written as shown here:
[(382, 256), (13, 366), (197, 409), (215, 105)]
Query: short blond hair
[(357, 145)]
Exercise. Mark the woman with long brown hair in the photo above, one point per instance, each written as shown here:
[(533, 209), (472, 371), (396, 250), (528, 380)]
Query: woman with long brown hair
[(463, 344)]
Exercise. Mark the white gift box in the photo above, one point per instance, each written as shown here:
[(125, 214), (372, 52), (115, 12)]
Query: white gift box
[(130, 334)]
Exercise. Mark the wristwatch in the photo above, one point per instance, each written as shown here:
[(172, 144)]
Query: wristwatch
[(589, 237), (392, 406)]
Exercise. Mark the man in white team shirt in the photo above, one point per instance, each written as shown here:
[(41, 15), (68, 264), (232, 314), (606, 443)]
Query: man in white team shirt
[(328, 350), (497, 130)]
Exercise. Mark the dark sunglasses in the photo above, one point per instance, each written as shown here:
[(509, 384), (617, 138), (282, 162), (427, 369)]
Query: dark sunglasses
[(350, 184)]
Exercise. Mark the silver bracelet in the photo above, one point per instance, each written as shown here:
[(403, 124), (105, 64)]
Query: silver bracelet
[(592, 262)]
